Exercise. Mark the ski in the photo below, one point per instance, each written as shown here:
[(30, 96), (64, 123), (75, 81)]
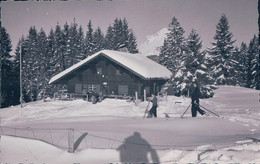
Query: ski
[(146, 110)]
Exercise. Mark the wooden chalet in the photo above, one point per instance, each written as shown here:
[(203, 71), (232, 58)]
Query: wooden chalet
[(114, 73)]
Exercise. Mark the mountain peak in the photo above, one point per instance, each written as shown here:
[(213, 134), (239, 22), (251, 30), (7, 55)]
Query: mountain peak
[(153, 43)]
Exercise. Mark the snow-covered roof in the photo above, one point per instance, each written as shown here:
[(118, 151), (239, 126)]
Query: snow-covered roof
[(137, 63)]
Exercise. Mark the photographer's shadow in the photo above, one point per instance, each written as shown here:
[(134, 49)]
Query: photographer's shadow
[(135, 149)]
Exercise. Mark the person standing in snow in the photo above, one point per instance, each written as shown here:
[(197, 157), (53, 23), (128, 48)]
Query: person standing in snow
[(195, 101), (153, 110), (94, 96)]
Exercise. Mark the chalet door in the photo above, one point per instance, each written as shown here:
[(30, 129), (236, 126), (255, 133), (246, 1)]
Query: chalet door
[(105, 88)]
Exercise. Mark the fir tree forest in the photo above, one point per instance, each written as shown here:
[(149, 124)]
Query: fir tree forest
[(46, 54)]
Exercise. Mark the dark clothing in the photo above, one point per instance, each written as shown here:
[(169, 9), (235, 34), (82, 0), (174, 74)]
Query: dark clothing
[(195, 94), (154, 101), (94, 97), (153, 110), (195, 107), (195, 103)]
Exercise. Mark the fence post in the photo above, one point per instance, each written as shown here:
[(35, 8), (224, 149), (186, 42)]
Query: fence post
[(166, 96), (144, 94), (136, 97), (71, 140)]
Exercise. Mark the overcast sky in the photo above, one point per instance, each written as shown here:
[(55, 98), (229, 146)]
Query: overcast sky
[(145, 17)]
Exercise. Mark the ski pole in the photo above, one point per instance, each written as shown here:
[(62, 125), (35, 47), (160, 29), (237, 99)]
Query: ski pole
[(185, 111), (146, 109), (208, 110)]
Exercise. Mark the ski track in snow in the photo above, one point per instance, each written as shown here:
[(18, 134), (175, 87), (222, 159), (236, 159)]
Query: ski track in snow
[(227, 102)]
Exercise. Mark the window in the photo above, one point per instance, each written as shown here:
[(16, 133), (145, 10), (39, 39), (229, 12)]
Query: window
[(78, 88), (118, 72), (123, 89), (99, 71), (147, 90), (94, 87), (84, 86)]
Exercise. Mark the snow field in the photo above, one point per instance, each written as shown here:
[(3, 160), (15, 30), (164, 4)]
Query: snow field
[(79, 108), (201, 139), (16, 150), (232, 103)]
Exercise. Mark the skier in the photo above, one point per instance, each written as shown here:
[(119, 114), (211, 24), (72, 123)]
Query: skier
[(153, 110), (94, 96), (195, 101)]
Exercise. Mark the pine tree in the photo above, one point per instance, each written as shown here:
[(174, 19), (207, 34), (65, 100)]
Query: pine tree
[(30, 64), (253, 64), (5, 68), (80, 45), (73, 44), (52, 65), (66, 44), (16, 72), (41, 79), (125, 34), (89, 40), (132, 43), (235, 58), (98, 40), (193, 69), (173, 50), (118, 35), (223, 66), (51, 51), (165, 55), (241, 54), (59, 53), (109, 38)]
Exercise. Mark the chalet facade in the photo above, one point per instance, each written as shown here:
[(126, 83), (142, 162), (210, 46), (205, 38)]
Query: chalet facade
[(114, 73)]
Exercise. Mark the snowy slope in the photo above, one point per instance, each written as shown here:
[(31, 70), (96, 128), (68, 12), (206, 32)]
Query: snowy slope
[(239, 115), (153, 43), (233, 103), (175, 140)]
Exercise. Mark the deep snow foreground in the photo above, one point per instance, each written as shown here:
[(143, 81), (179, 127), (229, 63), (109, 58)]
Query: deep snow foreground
[(119, 120), (16, 150)]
